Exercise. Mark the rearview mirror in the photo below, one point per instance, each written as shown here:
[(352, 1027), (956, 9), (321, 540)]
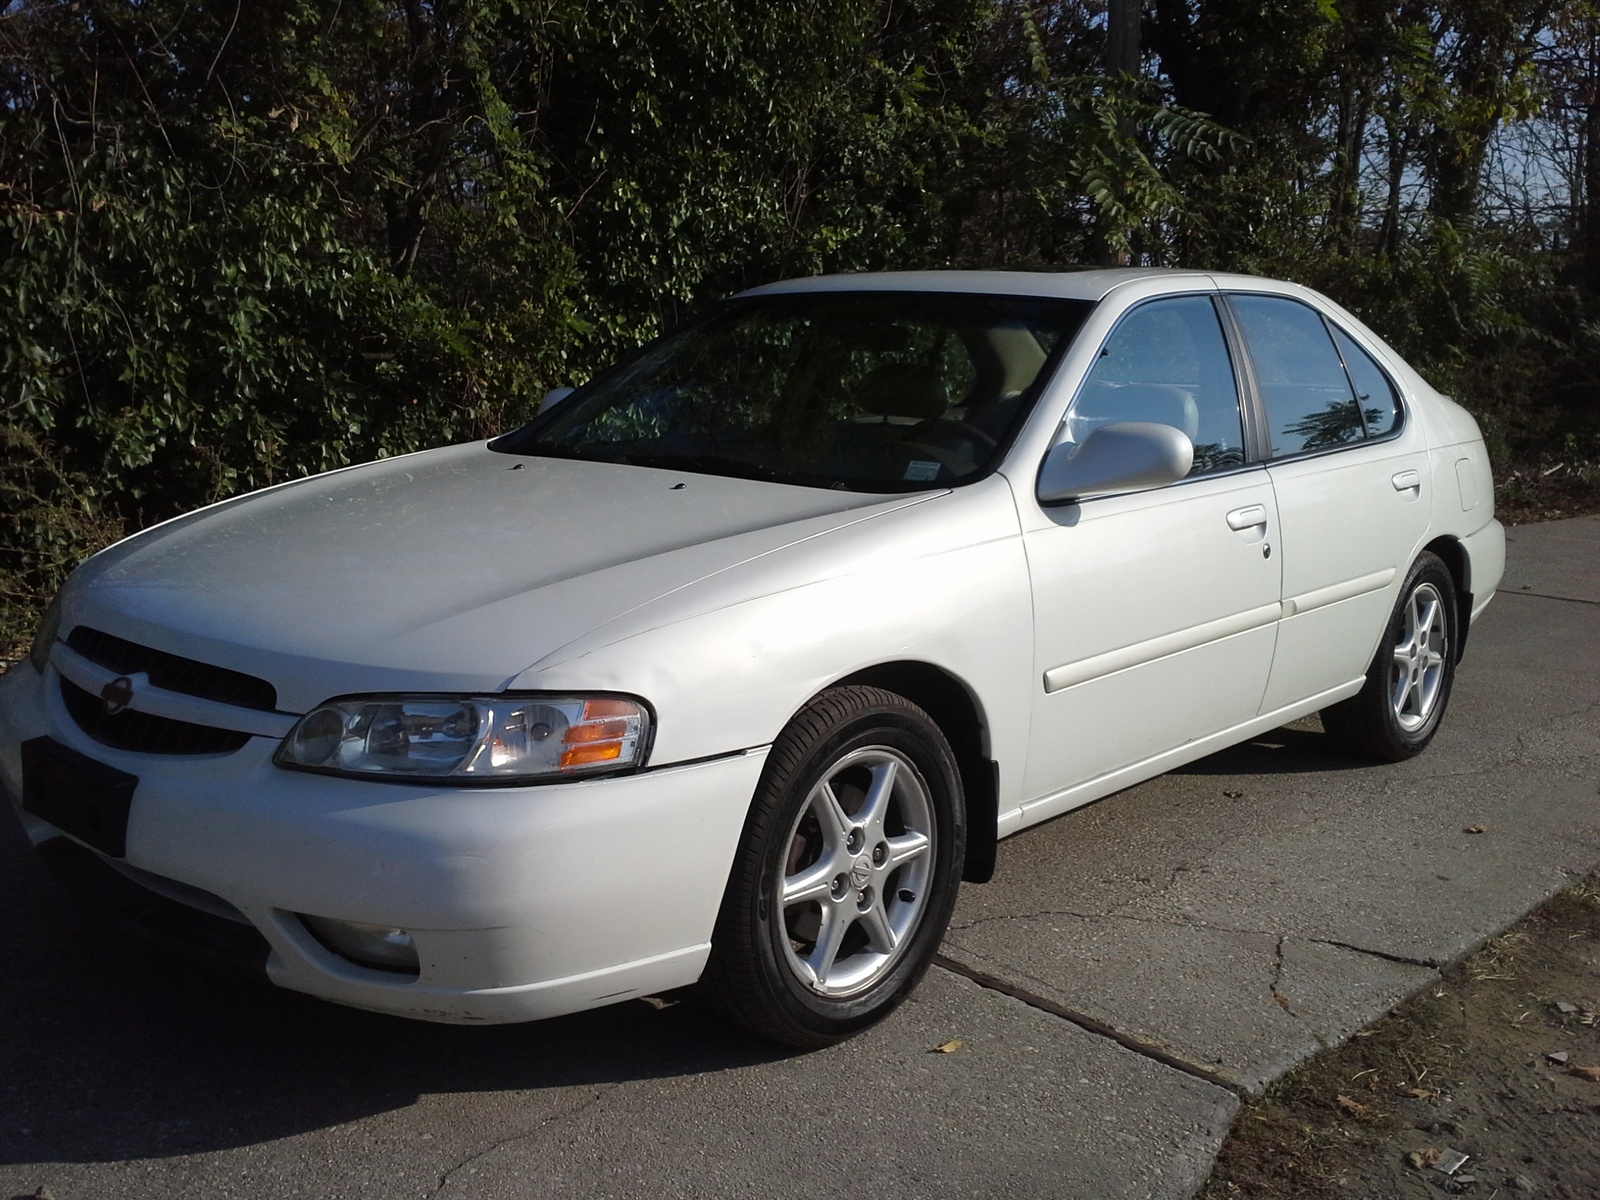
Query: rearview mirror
[(554, 397), (1125, 456)]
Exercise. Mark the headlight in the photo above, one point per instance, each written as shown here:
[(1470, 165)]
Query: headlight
[(44, 638), (471, 739)]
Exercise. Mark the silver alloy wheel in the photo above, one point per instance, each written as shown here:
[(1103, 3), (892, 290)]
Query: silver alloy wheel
[(1419, 659), (856, 872)]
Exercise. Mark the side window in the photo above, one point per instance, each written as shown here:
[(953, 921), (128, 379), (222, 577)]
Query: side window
[(1380, 403), (1303, 385), (1167, 362)]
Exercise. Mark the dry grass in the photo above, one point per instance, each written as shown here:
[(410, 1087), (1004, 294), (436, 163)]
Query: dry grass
[(1465, 1063)]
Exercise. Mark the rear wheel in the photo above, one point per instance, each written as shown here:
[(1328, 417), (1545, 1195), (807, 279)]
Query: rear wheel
[(1398, 710), (847, 872)]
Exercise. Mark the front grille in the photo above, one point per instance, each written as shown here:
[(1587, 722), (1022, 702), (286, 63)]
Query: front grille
[(174, 672), (130, 730)]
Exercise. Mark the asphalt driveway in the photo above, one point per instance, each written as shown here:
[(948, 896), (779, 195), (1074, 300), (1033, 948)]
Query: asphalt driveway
[(1133, 968)]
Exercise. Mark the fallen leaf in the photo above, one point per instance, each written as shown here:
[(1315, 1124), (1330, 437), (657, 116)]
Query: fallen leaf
[(1476, 829), (1425, 1157), (1592, 1074), (1354, 1106), (1422, 1093), (949, 1047)]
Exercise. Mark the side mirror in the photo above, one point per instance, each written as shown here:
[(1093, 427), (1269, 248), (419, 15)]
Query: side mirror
[(1125, 456), (553, 397)]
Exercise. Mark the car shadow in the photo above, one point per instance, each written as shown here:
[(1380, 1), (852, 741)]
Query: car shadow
[(1291, 749), (112, 1051)]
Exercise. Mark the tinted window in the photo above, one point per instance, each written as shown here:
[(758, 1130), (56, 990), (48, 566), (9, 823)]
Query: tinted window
[(1167, 362), (1380, 405), (877, 391), (1300, 376)]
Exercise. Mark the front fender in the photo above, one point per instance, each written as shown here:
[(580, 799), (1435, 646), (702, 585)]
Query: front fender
[(726, 671)]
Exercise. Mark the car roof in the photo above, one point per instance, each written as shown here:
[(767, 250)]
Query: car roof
[(1070, 284)]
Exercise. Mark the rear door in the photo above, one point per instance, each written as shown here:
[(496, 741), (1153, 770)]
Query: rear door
[(1349, 474)]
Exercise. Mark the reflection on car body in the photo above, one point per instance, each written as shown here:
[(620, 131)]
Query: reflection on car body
[(730, 666)]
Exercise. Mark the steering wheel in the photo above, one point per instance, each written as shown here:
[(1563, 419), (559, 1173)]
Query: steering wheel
[(943, 425)]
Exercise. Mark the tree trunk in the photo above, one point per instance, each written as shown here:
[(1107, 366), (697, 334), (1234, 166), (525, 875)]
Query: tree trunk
[(1589, 150), (1122, 58), (1122, 37), (1396, 139), (1344, 216)]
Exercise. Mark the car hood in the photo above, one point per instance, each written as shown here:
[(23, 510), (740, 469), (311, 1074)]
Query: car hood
[(450, 569)]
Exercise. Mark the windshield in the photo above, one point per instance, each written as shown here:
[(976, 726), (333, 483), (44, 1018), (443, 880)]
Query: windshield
[(871, 391)]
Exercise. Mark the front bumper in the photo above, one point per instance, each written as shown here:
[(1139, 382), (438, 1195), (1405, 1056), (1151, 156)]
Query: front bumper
[(522, 902)]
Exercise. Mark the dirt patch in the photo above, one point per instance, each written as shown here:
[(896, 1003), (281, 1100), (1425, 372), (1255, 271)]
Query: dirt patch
[(1498, 1061), (1548, 487)]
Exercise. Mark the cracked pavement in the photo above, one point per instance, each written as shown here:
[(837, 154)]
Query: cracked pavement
[(1133, 967), (1242, 912)]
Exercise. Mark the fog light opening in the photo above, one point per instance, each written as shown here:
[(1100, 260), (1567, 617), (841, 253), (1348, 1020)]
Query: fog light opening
[(377, 947)]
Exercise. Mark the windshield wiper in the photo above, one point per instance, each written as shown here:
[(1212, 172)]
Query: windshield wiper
[(704, 464), (715, 464), (546, 449)]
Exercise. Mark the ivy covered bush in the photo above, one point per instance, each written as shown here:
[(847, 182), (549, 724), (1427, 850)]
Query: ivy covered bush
[(240, 242)]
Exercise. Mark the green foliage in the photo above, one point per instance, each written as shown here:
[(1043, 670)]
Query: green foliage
[(48, 519), (240, 244), (195, 301), (235, 251), (702, 148)]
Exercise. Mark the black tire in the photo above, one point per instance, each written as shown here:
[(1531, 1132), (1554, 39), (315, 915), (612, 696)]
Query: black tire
[(770, 968), (1397, 711)]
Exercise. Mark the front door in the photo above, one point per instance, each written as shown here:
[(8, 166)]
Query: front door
[(1155, 612)]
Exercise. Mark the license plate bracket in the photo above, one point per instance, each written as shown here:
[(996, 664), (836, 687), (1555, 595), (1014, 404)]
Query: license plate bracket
[(77, 794)]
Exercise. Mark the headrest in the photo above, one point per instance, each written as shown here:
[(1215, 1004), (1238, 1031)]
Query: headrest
[(902, 390), (1161, 403)]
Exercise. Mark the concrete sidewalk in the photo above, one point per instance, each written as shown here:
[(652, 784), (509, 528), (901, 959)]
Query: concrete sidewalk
[(1133, 968), (1245, 911)]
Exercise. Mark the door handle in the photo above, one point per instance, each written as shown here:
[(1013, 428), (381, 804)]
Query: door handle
[(1241, 519), (1407, 481)]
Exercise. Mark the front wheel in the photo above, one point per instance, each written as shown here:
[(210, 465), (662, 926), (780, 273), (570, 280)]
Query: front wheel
[(847, 872), (1398, 709)]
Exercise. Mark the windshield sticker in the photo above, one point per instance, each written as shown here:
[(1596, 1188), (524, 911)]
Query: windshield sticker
[(921, 472)]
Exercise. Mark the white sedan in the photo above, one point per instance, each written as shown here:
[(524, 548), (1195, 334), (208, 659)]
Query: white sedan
[(730, 666)]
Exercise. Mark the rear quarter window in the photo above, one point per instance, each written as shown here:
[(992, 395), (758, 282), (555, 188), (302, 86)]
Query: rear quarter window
[(1380, 402)]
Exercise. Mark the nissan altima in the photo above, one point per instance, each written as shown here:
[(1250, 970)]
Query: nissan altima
[(731, 665)]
